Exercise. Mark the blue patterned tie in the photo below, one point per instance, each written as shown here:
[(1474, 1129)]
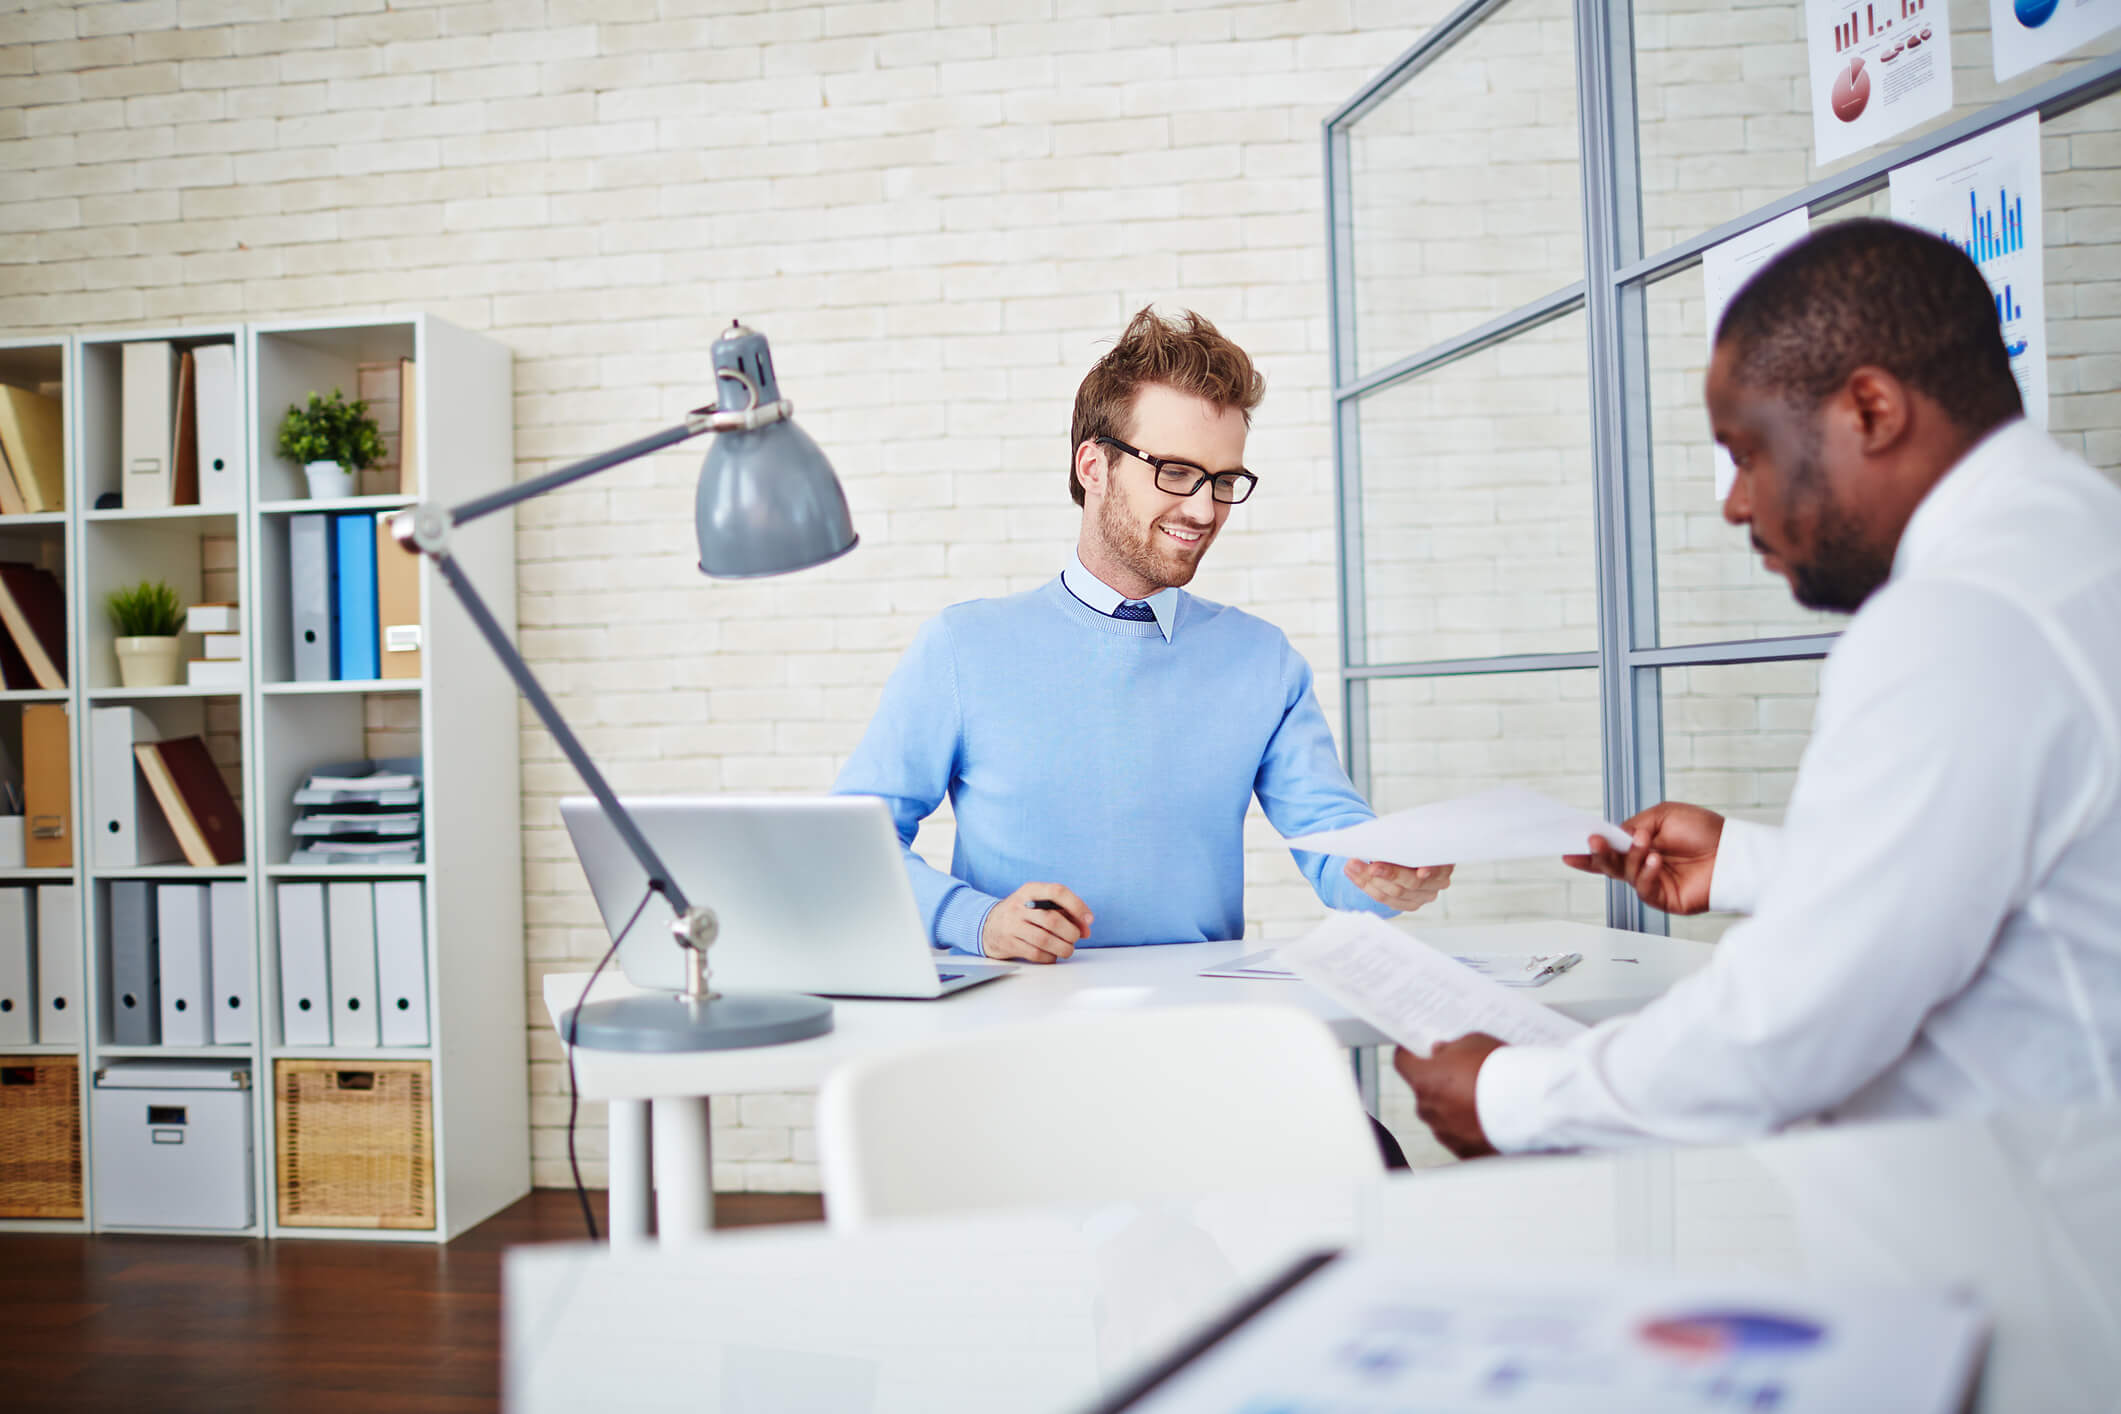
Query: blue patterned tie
[(1135, 611)]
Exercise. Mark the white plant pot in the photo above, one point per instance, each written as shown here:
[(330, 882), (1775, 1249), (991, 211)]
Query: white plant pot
[(328, 481), (149, 662)]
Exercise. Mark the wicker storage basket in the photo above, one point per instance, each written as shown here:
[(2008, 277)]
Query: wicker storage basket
[(40, 1137), (355, 1143)]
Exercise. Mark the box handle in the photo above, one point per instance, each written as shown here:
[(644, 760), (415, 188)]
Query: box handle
[(357, 1080)]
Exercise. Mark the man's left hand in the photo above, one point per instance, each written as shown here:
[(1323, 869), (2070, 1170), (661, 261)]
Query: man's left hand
[(1397, 886), (1444, 1094)]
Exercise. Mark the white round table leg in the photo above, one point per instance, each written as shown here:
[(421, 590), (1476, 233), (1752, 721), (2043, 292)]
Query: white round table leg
[(684, 1168), (629, 1172)]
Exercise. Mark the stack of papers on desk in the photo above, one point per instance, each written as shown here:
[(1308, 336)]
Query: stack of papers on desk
[(1514, 969), (1507, 823), (1413, 993)]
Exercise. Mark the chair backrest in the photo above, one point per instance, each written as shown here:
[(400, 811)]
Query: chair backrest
[(1105, 1106)]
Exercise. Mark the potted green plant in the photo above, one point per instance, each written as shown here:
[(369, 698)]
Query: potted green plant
[(148, 618), (333, 439)]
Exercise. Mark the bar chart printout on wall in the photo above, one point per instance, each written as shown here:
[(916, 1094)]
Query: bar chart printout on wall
[(1878, 68), (2029, 33), (1983, 195)]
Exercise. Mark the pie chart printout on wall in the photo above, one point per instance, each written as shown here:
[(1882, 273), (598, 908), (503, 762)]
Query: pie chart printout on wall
[(2034, 13), (1852, 92)]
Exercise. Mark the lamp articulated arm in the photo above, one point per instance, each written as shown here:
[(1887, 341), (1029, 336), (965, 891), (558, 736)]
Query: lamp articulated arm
[(425, 530), (767, 503)]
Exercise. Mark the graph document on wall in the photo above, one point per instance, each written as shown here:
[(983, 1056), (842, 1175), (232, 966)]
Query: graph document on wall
[(1983, 195), (2029, 33), (1878, 68), (1725, 267)]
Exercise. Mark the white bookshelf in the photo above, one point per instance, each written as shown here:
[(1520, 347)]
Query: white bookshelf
[(462, 711), (51, 538), (460, 716), (201, 552)]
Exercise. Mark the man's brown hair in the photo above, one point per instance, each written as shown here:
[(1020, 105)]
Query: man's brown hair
[(1187, 354)]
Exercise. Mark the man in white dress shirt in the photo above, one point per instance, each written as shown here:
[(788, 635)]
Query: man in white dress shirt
[(1936, 927)]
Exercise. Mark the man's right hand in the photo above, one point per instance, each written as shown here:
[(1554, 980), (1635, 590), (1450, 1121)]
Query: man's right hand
[(1017, 929), (1670, 861)]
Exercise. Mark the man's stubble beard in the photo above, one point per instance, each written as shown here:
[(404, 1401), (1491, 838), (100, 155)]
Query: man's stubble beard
[(1843, 570), (1140, 551)]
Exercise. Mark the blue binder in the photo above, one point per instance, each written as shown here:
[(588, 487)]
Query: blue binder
[(312, 596), (355, 534)]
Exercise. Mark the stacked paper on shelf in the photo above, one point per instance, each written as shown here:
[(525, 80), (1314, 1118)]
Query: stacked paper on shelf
[(367, 855), (393, 825), (360, 812)]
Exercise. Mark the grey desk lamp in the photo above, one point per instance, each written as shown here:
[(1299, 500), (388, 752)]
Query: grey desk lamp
[(768, 503)]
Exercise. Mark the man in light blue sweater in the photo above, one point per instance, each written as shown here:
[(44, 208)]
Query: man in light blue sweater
[(1101, 737)]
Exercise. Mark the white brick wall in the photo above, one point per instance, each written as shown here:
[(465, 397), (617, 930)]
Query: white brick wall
[(940, 211)]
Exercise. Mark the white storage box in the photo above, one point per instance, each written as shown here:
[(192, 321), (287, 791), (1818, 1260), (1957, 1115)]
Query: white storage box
[(172, 1141)]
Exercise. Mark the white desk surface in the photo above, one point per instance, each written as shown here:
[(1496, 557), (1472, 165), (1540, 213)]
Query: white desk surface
[(1041, 1310), (1594, 989)]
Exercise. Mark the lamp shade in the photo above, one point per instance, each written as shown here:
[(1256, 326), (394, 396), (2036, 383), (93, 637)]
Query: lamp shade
[(768, 501)]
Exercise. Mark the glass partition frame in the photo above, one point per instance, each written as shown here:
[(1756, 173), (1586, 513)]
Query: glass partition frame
[(1618, 272)]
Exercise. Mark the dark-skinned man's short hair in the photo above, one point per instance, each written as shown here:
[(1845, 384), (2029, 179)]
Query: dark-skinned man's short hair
[(1878, 294)]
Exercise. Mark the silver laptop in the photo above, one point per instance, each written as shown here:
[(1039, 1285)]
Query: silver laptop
[(811, 893)]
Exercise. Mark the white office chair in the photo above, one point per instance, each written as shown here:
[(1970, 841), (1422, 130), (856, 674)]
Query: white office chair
[(1107, 1106)]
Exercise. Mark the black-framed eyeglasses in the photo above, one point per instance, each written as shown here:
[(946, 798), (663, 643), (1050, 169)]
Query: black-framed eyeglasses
[(1177, 478)]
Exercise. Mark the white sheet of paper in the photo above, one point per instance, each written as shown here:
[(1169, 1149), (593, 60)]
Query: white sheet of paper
[(1509, 822), (1254, 966), (1410, 991), (1983, 195), (1509, 969), (1878, 68), (1725, 267), (2029, 33)]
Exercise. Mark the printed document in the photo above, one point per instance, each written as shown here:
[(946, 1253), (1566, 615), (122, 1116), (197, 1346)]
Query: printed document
[(1372, 1333), (1508, 969), (1413, 993), (1507, 823), (1983, 195)]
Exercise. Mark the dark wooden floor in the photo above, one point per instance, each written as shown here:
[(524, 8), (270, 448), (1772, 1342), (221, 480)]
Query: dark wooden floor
[(185, 1323)]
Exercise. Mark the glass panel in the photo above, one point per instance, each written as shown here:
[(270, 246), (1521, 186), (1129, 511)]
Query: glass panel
[(1465, 201), (2081, 186), (1733, 735), (1726, 113), (1436, 738), (1476, 498), (1711, 587)]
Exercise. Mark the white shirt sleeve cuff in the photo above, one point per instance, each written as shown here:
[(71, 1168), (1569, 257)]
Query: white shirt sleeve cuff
[(1745, 856), (1509, 1092)]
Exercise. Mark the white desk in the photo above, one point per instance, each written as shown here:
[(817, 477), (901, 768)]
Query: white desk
[(1041, 1310), (675, 1087)]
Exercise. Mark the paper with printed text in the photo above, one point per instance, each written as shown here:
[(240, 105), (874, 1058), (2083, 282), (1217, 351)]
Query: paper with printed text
[(1413, 993)]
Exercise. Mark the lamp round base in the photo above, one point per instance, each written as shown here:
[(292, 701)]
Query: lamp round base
[(666, 1022)]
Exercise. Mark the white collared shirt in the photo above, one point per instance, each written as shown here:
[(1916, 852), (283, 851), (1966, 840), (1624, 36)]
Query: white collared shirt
[(1104, 598), (1937, 926)]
